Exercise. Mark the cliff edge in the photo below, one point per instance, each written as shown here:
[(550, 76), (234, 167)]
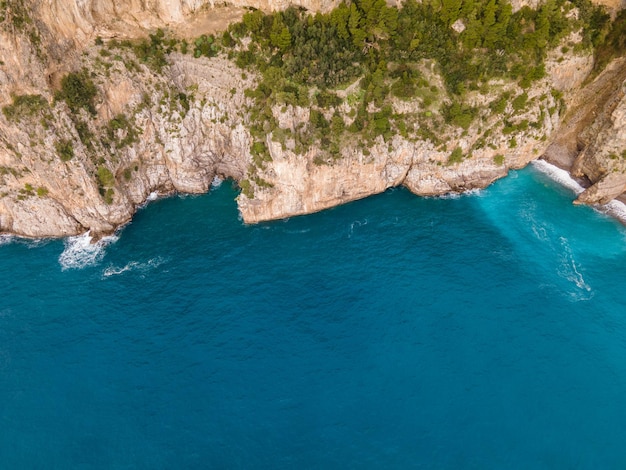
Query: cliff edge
[(105, 103)]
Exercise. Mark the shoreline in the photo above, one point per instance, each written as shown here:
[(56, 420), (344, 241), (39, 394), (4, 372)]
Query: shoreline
[(615, 208)]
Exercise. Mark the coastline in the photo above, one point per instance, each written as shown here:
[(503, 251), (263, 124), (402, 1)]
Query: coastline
[(614, 208), (90, 245)]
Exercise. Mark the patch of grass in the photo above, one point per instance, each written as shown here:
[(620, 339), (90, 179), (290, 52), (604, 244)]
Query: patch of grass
[(456, 156), (25, 106), (247, 189)]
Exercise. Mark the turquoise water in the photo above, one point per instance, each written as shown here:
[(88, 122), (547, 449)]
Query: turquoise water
[(483, 331)]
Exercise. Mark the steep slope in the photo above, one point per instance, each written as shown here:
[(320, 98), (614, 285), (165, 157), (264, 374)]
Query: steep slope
[(168, 122)]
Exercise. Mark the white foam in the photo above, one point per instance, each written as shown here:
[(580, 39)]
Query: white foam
[(80, 252), (615, 209), (134, 266), (560, 176), (356, 223), (153, 196), (37, 242), (570, 270), (6, 239), (217, 182), (457, 195)]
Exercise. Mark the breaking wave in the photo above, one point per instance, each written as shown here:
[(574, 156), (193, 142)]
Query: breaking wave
[(615, 209), (457, 195), (134, 266), (570, 270), (560, 176), (217, 182), (80, 252)]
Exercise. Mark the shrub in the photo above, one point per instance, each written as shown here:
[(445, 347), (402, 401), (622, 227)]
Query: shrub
[(65, 150), (498, 159), (247, 189), (519, 103), (121, 122), (24, 106), (456, 156), (105, 177), (78, 91), (459, 115)]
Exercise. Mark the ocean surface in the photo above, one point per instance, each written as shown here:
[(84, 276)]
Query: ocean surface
[(483, 331)]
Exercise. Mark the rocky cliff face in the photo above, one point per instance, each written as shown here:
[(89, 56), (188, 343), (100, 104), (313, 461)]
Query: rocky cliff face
[(591, 144), (176, 129)]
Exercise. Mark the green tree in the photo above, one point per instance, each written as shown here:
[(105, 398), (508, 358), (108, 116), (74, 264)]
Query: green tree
[(78, 91), (450, 11), (280, 36)]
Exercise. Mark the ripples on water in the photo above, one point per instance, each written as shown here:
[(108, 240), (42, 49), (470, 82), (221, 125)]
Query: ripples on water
[(484, 331)]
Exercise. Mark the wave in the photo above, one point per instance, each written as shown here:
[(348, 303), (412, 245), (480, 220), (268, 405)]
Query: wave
[(153, 196), (458, 195), (80, 252), (29, 243), (570, 270), (615, 209), (133, 266), (560, 176), (356, 223), (217, 182)]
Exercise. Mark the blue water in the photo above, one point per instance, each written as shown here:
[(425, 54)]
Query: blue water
[(484, 331)]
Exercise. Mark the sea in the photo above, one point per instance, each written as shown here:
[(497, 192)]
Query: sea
[(476, 331)]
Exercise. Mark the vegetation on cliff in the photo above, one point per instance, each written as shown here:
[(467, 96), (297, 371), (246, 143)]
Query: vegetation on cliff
[(325, 84), (433, 54)]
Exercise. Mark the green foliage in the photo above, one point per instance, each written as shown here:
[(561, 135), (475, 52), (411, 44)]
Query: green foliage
[(459, 114), (205, 46), (153, 51), (456, 156), (105, 177), (405, 85), (65, 150), (25, 106), (42, 192), (246, 188), (260, 153), (300, 55), (120, 131), (613, 44), (520, 101), (107, 194), (84, 134), (498, 159), (78, 91), (326, 99), (498, 106)]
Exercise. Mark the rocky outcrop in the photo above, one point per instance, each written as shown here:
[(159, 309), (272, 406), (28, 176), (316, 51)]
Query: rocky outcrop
[(591, 144), (180, 127)]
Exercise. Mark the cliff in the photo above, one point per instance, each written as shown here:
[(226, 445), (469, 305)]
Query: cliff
[(172, 126)]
